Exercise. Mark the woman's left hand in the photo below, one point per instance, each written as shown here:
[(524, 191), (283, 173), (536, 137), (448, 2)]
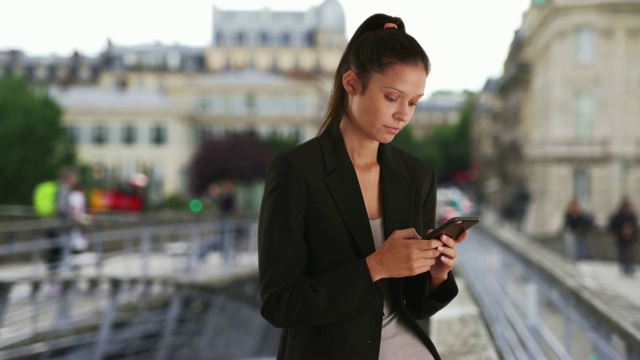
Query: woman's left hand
[(444, 262)]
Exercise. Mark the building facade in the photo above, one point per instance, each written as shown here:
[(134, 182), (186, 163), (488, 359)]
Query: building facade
[(567, 115), (147, 108)]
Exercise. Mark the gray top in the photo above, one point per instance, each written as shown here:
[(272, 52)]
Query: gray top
[(398, 341)]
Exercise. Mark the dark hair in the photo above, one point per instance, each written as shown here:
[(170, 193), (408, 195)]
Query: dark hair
[(372, 49)]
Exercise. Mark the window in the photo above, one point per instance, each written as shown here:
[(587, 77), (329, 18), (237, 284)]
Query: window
[(129, 134), (264, 38), (311, 39), (84, 73), (581, 185), (237, 104), (99, 134), (173, 61), (240, 38), (285, 39), (584, 108), (158, 135), (584, 46), (219, 38), (41, 72), (130, 59), (73, 134), (201, 104)]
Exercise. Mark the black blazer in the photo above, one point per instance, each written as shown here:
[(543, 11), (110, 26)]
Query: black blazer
[(314, 235)]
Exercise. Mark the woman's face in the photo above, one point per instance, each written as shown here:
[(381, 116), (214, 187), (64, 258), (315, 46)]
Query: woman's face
[(387, 104)]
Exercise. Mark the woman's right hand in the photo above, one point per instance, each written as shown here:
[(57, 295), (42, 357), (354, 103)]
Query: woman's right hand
[(404, 253)]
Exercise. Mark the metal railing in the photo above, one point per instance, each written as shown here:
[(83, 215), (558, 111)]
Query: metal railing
[(133, 272), (533, 313), (180, 289)]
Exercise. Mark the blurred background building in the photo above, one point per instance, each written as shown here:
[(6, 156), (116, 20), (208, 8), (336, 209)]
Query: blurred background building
[(559, 122), (148, 108), (562, 120)]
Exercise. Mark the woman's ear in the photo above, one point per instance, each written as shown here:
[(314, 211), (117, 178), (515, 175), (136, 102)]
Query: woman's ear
[(351, 82)]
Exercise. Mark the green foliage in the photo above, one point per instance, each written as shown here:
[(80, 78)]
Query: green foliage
[(240, 157), (175, 201), (279, 144), (33, 141), (447, 148)]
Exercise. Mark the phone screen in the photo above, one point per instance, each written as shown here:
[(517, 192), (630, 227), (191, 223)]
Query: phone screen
[(453, 227)]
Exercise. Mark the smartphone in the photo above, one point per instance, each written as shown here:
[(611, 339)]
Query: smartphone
[(453, 227)]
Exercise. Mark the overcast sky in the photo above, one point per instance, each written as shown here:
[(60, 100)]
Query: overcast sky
[(467, 40)]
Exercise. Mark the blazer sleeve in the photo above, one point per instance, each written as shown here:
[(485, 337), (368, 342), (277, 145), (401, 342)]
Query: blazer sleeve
[(289, 296), (419, 300)]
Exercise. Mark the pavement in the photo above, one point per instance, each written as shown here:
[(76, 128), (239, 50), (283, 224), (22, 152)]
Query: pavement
[(600, 274), (459, 331)]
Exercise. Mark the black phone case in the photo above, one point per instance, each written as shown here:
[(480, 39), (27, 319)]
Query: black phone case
[(453, 227)]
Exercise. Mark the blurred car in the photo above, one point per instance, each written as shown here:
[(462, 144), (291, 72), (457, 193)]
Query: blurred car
[(453, 202)]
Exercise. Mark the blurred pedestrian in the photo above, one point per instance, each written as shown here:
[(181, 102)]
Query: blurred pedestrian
[(521, 200), (228, 232), (80, 217), (344, 269), (623, 224), (227, 203), (55, 252), (67, 181), (577, 227)]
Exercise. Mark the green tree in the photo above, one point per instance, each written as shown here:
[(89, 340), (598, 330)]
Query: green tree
[(33, 141), (279, 144), (447, 147), (241, 157)]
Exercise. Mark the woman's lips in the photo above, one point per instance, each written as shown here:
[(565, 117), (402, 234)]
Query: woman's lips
[(393, 130)]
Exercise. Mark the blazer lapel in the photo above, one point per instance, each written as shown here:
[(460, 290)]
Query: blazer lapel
[(342, 182), (397, 191)]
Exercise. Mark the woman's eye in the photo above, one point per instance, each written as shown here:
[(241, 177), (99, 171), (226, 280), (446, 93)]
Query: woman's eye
[(389, 98)]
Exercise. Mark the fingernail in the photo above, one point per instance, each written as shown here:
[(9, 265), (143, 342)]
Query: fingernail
[(440, 248), (442, 237)]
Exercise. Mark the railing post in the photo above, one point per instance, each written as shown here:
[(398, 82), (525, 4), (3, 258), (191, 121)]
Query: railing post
[(98, 242), (170, 323), (65, 242), (36, 245), (104, 335), (532, 308), (36, 285), (194, 249), (145, 251), (227, 240), (599, 349), (5, 288), (216, 306), (64, 303), (253, 237)]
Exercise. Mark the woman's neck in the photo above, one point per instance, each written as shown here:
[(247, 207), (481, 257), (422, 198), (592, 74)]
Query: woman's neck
[(362, 150)]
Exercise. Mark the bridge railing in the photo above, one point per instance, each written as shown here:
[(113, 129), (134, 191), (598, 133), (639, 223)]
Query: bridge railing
[(34, 300), (534, 303), (187, 241)]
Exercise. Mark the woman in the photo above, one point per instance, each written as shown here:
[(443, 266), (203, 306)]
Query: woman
[(328, 277)]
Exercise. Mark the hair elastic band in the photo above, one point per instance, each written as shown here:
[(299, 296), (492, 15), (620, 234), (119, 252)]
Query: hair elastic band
[(390, 25)]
